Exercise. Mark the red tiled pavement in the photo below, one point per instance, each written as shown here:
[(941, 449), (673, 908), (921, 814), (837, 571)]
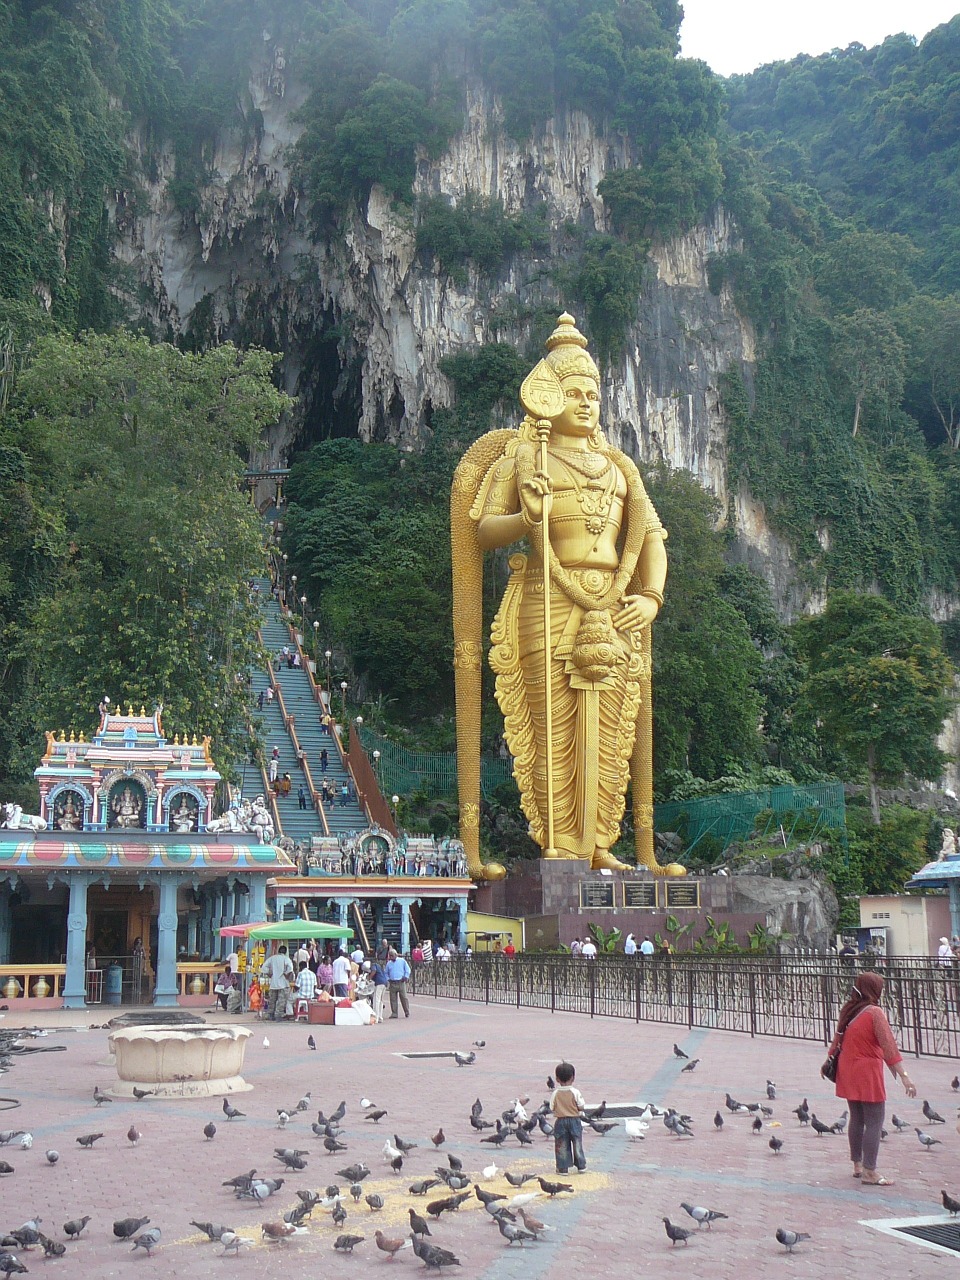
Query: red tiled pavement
[(612, 1223)]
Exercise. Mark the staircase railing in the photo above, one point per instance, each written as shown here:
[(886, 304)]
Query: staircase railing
[(368, 789), (289, 726)]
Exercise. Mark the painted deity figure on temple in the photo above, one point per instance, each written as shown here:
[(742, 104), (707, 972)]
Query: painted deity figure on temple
[(571, 641), (127, 808), (184, 818), (68, 818)]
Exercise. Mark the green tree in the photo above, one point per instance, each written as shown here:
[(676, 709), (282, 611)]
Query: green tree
[(879, 688), (931, 329), (869, 357), (127, 564)]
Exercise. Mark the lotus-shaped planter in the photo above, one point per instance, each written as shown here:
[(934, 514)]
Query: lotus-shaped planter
[(179, 1062)]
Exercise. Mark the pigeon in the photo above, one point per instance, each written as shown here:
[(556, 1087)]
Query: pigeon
[(775, 1145), (432, 1256), (241, 1182), (439, 1138), (11, 1265), (134, 1135), (480, 1044), (126, 1228), (518, 1179), (531, 1223), (212, 1230), (210, 1131), (98, 1097), (932, 1115), (455, 1163), (266, 1043), (356, 1190), (74, 1228), (551, 1083), (525, 1140), (397, 1164), (230, 1240), (376, 1116), (374, 1202), (691, 1065), (926, 1141), (421, 1188), (347, 1244), (951, 1205), (511, 1233), (790, 1238), (771, 1091), (389, 1246), (449, 1204), (553, 1188), (899, 1124), (700, 1215), (819, 1127), (339, 1214), (230, 1111), (88, 1139), (52, 1156), (403, 1147), (735, 1107), (52, 1248), (489, 1197), (291, 1160), (341, 1111), (768, 1112), (418, 1225), (26, 1141), (140, 1094), (499, 1138), (678, 1052), (283, 1118), (841, 1124), (5, 1167), (802, 1113), (675, 1233), (311, 1043), (464, 1059), (147, 1240), (718, 1121), (278, 1232), (354, 1173), (545, 1127), (304, 1102), (479, 1124), (757, 1126), (333, 1146)]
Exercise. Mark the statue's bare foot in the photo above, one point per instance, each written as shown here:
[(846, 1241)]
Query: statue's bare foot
[(487, 871), (603, 860), (563, 854), (669, 869)]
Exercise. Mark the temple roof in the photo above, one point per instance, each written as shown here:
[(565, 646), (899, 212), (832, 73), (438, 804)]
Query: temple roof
[(936, 875), (135, 851)]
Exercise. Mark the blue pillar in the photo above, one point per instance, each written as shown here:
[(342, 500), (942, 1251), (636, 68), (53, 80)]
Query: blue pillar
[(75, 982), (955, 907), (462, 926), (165, 993), (343, 905), (405, 924), (257, 898), (205, 924)]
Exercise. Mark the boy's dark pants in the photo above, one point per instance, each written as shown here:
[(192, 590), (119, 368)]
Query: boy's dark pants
[(568, 1143)]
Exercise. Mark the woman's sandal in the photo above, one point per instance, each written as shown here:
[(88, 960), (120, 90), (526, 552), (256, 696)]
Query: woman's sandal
[(877, 1182)]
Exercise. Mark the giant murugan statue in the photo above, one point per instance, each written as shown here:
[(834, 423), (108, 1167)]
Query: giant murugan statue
[(571, 640)]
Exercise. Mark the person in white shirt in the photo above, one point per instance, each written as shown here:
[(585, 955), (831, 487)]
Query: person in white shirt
[(302, 956), (945, 951), (589, 950), (646, 947), (357, 955), (630, 946), (341, 975), (306, 982), (277, 971)]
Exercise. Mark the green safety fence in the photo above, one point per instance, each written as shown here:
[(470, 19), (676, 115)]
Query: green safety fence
[(727, 818)]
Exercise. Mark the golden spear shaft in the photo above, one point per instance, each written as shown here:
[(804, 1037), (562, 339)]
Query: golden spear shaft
[(543, 431)]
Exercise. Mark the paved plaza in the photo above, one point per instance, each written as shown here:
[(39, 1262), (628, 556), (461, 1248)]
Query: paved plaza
[(610, 1224)]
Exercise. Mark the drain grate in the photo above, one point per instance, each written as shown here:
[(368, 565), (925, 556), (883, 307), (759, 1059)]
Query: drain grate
[(440, 1053), (944, 1234)]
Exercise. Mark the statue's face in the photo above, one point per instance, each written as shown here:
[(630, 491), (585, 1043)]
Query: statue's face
[(581, 414)]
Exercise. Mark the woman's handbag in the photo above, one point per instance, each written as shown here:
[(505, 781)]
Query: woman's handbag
[(829, 1069)]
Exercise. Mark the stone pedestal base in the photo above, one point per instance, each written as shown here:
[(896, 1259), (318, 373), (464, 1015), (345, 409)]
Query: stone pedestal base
[(183, 1062)]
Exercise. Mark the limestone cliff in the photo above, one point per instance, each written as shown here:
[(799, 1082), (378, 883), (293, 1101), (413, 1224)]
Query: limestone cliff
[(364, 322)]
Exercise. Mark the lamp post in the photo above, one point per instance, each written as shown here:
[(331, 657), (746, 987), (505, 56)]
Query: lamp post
[(293, 588), (328, 655), (376, 766), (343, 694), (283, 584), (395, 800), (303, 615)]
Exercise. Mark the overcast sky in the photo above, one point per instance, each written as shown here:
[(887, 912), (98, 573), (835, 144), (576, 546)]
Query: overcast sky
[(738, 35)]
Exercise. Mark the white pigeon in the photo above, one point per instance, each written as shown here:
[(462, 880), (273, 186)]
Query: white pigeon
[(266, 1043), (390, 1152), (366, 1104), (519, 1111), (329, 1202), (524, 1198), (282, 1118), (635, 1127), (490, 1171), (26, 1142)]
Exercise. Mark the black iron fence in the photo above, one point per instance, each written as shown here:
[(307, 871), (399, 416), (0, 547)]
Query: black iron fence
[(797, 997)]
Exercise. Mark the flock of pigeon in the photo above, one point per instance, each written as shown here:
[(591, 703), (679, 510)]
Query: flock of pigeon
[(435, 1195)]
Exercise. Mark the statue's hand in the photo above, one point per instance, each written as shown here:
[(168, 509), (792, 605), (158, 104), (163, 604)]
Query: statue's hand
[(636, 611), (536, 496)]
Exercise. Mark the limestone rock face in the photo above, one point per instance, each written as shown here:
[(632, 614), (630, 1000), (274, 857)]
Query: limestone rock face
[(806, 909)]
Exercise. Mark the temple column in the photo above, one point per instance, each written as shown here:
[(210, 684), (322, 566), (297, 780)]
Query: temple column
[(343, 907), (955, 907), (75, 981), (205, 937), (193, 919), (405, 924), (165, 992), (5, 923), (257, 898), (462, 904)]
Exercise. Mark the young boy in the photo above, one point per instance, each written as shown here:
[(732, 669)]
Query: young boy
[(567, 1104)]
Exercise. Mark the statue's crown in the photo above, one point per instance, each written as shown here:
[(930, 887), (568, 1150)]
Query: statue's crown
[(567, 352)]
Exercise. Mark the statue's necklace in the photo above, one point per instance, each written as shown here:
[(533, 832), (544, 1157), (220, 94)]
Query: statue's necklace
[(591, 465)]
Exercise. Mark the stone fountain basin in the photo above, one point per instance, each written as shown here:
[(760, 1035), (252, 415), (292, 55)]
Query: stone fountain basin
[(194, 1061)]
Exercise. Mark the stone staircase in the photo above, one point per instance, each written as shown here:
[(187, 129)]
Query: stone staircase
[(301, 704)]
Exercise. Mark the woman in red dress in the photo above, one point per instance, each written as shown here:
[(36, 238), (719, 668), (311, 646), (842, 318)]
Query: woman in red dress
[(867, 1043)]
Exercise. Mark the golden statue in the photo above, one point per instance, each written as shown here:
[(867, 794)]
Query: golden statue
[(580, 736)]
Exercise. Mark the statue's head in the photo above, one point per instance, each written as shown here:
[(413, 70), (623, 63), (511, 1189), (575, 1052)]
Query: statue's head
[(567, 353), (565, 385)]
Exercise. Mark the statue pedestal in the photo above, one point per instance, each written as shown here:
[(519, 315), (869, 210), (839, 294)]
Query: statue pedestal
[(195, 1061)]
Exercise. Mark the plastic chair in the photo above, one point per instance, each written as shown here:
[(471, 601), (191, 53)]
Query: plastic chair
[(301, 1010)]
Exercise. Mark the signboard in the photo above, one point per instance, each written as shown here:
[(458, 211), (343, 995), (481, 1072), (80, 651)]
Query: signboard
[(683, 893), (640, 893), (596, 894)]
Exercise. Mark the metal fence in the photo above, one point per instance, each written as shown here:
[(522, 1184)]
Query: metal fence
[(793, 997)]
